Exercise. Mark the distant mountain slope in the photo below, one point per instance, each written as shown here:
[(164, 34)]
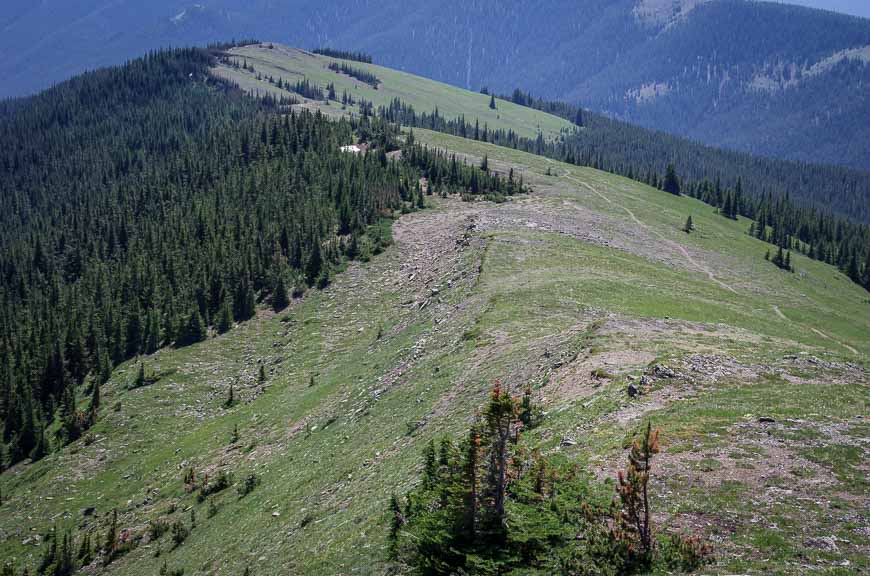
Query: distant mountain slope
[(602, 142), (768, 78)]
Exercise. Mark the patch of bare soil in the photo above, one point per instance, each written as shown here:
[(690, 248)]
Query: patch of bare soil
[(585, 376)]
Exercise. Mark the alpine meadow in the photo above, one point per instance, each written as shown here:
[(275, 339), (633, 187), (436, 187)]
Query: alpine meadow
[(296, 309)]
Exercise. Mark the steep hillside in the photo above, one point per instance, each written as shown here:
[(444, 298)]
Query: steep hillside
[(763, 77), (581, 288)]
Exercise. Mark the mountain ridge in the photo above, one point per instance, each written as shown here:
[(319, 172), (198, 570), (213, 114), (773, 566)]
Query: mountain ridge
[(594, 51), (243, 335)]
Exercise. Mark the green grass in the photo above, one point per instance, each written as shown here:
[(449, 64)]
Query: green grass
[(340, 428), (423, 94), (817, 296)]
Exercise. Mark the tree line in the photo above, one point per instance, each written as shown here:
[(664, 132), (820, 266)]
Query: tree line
[(362, 75), (344, 55), (151, 205), (736, 184)]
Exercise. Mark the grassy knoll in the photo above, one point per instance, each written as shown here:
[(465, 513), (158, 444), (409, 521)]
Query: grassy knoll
[(423, 94)]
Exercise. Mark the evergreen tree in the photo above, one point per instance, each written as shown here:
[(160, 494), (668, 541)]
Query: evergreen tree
[(689, 226), (110, 543), (152, 338), (492, 102), (140, 380), (314, 267), (231, 397), (94, 406), (280, 298), (578, 117), (635, 517), (225, 317), (194, 331), (671, 183)]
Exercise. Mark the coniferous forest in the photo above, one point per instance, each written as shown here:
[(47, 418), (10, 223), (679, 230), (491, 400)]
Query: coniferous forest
[(149, 205)]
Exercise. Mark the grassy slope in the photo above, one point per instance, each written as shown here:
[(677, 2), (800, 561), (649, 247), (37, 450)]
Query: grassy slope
[(345, 413), (817, 296), (425, 95)]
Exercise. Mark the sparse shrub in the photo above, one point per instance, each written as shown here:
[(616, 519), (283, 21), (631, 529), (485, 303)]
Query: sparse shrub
[(248, 486), (684, 553), (221, 482), (180, 532), (165, 571), (212, 509), (110, 547), (189, 479), (529, 413), (601, 374), (156, 529)]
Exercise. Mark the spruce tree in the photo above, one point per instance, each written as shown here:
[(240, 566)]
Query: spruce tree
[(280, 299), (689, 225), (152, 338), (671, 183), (40, 449), (94, 407), (779, 259), (140, 380), (578, 118), (194, 331), (231, 397), (492, 102), (225, 317), (315, 264), (110, 543)]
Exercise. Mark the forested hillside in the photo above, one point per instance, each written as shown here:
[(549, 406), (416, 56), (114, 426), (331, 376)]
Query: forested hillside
[(231, 343), (147, 205), (761, 77), (803, 207)]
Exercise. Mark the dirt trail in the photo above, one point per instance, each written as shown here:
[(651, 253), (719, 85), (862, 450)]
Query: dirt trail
[(818, 332), (843, 344), (671, 243), (779, 312)]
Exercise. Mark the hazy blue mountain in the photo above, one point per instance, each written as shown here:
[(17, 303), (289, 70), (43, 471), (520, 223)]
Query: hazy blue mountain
[(769, 78)]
